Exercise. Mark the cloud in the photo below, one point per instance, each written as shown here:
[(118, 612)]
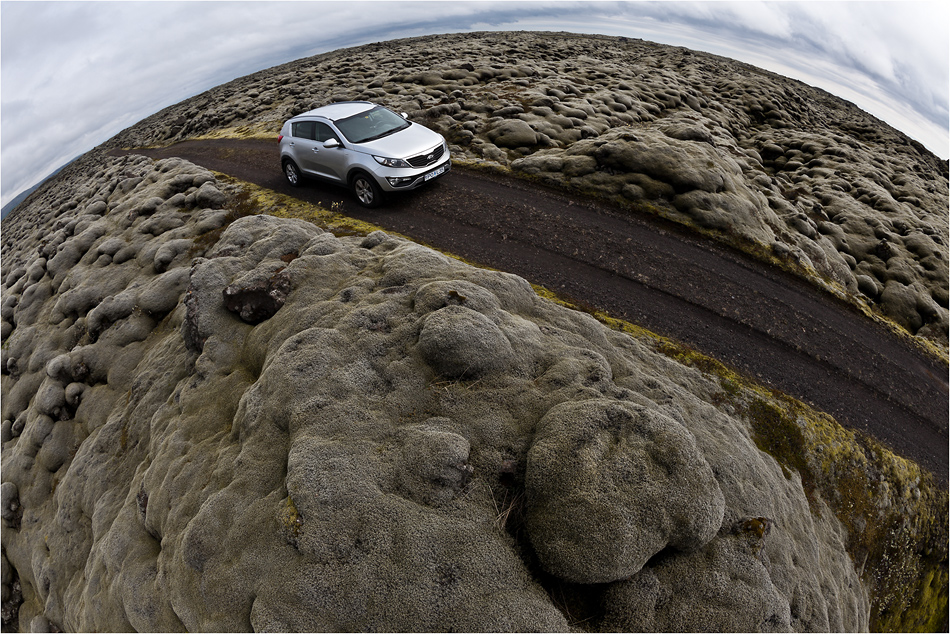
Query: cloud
[(890, 58), (86, 70)]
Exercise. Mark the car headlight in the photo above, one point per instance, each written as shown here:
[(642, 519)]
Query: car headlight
[(391, 162)]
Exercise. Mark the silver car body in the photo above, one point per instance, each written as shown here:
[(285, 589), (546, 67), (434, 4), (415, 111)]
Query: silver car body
[(423, 154)]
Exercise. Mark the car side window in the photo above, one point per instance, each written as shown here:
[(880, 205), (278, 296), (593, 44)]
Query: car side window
[(324, 132), (304, 130)]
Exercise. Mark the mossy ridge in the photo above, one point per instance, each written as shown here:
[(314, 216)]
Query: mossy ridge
[(258, 130), (894, 512), (756, 250)]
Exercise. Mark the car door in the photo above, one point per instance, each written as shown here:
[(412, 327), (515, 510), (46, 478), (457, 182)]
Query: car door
[(333, 161), (306, 147)]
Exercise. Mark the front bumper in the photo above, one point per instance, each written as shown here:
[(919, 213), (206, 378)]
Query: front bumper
[(398, 180)]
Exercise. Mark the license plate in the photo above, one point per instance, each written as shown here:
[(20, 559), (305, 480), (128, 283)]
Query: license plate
[(438, 172)]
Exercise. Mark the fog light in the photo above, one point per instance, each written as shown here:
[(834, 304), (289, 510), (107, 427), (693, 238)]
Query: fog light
[(400, 181)]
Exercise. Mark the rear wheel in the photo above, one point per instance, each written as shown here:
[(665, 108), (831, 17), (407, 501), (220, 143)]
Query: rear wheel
[(366, 190), (292, 172)]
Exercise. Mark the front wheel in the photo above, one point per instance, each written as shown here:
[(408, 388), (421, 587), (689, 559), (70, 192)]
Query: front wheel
[(366, 190), (292, 172)]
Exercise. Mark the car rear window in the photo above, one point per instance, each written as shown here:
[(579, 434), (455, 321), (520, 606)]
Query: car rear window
[(304, 130)]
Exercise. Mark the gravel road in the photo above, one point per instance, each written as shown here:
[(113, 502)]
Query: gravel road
[(755, 318)]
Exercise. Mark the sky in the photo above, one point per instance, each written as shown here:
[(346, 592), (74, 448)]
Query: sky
[(73, 74)]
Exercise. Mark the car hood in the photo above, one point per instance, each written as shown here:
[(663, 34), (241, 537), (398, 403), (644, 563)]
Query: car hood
[(411, 141)]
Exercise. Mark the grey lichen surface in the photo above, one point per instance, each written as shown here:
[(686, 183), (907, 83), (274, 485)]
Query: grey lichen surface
[(214, 422)]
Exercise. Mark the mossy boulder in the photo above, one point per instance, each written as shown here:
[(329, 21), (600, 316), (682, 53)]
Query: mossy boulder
[(609, 485)]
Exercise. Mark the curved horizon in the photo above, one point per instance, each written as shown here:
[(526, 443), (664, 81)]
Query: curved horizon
[(890, 61)]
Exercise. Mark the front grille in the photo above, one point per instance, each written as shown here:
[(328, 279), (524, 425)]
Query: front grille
[(424, 160)]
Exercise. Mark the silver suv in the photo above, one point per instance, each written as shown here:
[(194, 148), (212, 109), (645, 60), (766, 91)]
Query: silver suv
[(364, 146)]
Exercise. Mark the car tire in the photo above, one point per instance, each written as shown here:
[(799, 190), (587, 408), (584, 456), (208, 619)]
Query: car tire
[(366, 190), (292, 173)]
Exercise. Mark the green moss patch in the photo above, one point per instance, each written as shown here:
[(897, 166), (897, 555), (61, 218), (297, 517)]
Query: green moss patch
[(895, 513)]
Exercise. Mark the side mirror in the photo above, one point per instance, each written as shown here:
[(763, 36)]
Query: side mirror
[(404, 115), (331, 143)]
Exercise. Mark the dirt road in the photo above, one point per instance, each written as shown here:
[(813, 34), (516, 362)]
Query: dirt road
[(757, 319)]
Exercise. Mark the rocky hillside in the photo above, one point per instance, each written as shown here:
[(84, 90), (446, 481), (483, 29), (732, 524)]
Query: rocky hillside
[(220, 416), (783, 170)]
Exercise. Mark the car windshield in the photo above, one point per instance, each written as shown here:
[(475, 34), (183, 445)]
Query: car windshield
[(371, 125)]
